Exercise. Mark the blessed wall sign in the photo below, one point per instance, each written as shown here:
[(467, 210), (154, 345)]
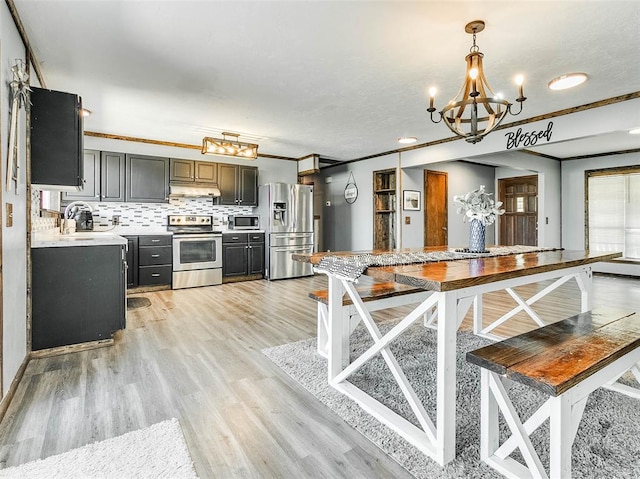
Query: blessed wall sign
[(528, 138)]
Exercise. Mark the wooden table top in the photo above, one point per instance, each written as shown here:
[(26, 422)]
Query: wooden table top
[(450, 275)]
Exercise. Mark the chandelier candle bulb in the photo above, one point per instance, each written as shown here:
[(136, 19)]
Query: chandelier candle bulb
[(520, 83), (432, 96)]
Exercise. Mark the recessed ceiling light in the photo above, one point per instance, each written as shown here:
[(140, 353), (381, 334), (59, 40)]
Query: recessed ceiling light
[(635, 131), (85, 112), (406, 140), (567, 81)]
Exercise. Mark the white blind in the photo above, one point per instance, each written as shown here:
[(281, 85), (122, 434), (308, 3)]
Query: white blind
[(614, 214)]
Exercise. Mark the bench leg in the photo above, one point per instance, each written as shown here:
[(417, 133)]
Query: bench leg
[(488, 418), (494, 399), (561, 439)]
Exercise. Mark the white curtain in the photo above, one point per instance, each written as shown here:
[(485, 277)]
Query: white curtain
[(614, 214)]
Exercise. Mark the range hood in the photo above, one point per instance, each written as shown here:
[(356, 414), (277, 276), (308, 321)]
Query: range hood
[(193, 190)]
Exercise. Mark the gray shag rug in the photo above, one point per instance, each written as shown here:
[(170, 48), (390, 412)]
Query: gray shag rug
[(607, 443), (158, 451)]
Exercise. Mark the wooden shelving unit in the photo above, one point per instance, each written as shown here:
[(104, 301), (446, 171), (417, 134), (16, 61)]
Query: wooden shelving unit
[(384, 209)]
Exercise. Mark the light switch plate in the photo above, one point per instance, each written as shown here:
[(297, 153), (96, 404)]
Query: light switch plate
[(9, 220), (407, 220)]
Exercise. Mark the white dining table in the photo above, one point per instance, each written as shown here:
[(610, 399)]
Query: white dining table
[(456, 285)]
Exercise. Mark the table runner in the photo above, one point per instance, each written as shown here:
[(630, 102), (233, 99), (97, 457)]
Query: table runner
[(351, 267)]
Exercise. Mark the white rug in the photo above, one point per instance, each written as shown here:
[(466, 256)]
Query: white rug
[(158, 451)]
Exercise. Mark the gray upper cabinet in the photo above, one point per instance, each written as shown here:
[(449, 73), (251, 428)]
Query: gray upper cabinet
[(91, 184), (238, 185), (146, 179), (112, 176), (182, 170), (248, 186), (56, 139), (194, 171), (206, 172)]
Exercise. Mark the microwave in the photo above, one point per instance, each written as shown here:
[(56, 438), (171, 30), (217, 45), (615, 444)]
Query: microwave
[(244, 222)]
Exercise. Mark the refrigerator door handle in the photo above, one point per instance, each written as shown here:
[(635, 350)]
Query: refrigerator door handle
[(289, 250), (293, 235)]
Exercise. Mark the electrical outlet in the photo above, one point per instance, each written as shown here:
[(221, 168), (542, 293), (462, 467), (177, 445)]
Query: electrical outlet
[(115, 219), (9, 219)]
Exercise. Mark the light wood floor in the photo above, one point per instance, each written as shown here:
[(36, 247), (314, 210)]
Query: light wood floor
[(195, 354)]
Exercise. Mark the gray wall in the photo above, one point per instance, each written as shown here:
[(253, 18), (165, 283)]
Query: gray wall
[(14, 244), (349, 227), (462, 177)]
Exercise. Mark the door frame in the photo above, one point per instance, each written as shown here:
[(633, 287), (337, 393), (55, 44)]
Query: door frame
[(501, 183)]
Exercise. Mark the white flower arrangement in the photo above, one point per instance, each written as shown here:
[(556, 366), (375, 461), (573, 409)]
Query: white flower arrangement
[(478, 205)]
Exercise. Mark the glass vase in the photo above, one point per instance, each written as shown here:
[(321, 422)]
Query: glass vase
[(476, 237)]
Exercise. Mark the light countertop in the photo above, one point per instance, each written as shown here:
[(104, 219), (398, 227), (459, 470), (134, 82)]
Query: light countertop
[(48, 240)]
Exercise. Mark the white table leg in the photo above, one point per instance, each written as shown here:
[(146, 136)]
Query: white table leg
[(322, 334), (585, 283), (446, 377), (336, 326), (477, 313)]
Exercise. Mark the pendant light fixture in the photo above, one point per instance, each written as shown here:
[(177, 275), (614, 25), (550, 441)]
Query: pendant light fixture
[(476, 110), (228, 147)]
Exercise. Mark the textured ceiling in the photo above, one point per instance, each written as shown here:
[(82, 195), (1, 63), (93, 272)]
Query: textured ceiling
[(341, 79)]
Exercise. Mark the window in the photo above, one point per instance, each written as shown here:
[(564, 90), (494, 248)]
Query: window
[(614, 211)]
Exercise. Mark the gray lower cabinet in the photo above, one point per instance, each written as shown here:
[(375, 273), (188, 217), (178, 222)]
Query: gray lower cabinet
[(242, 256), (132, 261), (146, 179), (151, 260), (78, 294)]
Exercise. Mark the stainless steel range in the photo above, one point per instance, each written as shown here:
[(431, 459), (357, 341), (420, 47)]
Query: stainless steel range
[(197, 250)]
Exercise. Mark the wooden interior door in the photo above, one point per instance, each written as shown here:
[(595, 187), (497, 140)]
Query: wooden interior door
[(519, 223), (435, 208)]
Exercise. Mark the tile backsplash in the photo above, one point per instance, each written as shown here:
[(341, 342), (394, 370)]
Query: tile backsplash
[(155, 214), (146, 215)]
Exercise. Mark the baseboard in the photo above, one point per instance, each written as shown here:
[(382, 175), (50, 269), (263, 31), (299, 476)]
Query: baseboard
[(148, 289), (6, 400), (74, 348), (237, 279)]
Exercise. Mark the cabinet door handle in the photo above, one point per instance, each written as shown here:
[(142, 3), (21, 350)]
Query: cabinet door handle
[(155, 241), (155, 275), (235, 237), (155, 255)]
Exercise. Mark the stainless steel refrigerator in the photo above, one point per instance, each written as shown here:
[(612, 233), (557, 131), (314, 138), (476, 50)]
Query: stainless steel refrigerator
[(286, 214)]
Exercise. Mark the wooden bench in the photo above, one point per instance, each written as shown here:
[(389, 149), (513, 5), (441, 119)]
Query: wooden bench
[(567, 361), (377, 296)]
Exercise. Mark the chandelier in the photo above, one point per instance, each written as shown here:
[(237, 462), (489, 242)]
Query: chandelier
[(227, 147), (476, 110)]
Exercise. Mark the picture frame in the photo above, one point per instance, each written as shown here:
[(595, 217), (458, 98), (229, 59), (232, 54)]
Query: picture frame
[(411, 200)]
